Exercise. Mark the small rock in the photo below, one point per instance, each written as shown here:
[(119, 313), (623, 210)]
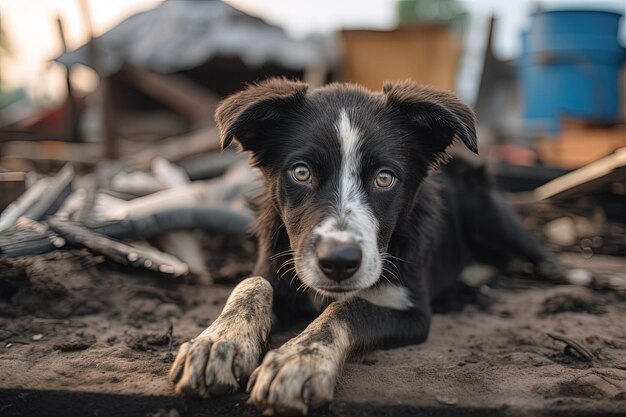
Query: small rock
[(561, 231), (447, 400), (78, 342), (579, 276), (478, 274), (37, 337), (8, 345), (618, 282)]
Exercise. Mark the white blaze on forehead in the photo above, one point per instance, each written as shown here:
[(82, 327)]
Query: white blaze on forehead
[(349, 139), (351, 219)]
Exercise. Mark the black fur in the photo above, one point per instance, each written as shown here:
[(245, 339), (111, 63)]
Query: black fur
[(416, 234), (430, 224)]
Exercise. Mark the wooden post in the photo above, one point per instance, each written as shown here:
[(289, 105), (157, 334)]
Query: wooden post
[(1, 34), (72, 123), (109, 134)]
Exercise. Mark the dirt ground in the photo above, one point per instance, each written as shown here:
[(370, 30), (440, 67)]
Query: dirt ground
[(82, 338)]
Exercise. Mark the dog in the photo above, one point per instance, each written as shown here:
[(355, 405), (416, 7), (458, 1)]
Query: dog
[(356, 232)]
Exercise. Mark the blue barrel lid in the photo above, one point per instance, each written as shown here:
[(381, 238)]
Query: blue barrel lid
[(576, 21), (592, 34)]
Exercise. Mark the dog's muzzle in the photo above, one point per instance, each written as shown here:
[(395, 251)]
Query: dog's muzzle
[(338, 259)]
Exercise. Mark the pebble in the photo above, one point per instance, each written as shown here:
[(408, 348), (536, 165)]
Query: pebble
[(37, 337), (447, 400), (579, 277), (561, 231)]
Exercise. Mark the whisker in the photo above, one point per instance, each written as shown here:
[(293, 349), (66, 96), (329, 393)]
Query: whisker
[(291, 269), (386, 255), (283, 253), (302, 287), (385, 277), (317, 294), (283, 265), (389, 271), (392, 272)]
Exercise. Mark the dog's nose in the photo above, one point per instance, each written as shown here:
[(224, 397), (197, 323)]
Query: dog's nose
[(338, 259)]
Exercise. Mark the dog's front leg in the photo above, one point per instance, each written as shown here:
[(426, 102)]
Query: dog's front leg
[(227, 352), (301, 374)]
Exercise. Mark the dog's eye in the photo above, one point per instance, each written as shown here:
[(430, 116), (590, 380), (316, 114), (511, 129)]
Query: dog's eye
[(385, 179), (301, 173)]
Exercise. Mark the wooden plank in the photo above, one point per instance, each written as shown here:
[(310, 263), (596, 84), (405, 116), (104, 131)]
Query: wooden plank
[(586, 179), (39, 199), (52, 150)]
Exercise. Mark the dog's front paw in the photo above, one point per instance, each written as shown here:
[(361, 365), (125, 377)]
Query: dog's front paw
[(293, 379), (227, 352), (211, 366)]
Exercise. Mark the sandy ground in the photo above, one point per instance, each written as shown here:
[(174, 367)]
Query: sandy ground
[(85, 339)]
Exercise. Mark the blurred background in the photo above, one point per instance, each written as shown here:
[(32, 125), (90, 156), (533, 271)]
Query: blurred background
[(119, 210), (124, 90)]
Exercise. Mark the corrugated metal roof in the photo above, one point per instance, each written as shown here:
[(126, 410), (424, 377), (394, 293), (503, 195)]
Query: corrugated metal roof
[(183, 34)]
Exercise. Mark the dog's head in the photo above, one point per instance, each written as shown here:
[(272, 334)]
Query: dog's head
[(342, 166)]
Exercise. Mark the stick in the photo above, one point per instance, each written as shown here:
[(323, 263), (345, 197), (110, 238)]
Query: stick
[(170, 342), (116, 251), (56, 192), (39, 199), (15, 243), (582, 351), (180, 243)]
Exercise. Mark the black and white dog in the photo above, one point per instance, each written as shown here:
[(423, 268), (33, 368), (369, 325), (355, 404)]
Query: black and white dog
[(354, 231)]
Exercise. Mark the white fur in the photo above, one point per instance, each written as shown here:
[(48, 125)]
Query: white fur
[(232, 341), (395, 297), (350, 185), (300, 362), (353, 218)]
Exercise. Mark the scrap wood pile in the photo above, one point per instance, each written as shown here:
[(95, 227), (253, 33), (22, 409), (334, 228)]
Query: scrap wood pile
[(150, 213), (582, 213), (114, 211)]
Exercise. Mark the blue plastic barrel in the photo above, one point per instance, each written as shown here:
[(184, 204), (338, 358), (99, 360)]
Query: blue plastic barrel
[(570, 66)]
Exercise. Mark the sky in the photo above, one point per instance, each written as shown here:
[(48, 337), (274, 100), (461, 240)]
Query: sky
[(32, 31)]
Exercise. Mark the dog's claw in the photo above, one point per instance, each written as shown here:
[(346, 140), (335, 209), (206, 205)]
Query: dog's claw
[(204, 367), (210, 378), (237, 372), (307, 393), (252, 380), (290, 381), (179, 363), (273, 397)]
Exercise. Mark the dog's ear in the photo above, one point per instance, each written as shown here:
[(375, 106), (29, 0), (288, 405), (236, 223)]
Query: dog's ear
[(440, 114), (250, 114)]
